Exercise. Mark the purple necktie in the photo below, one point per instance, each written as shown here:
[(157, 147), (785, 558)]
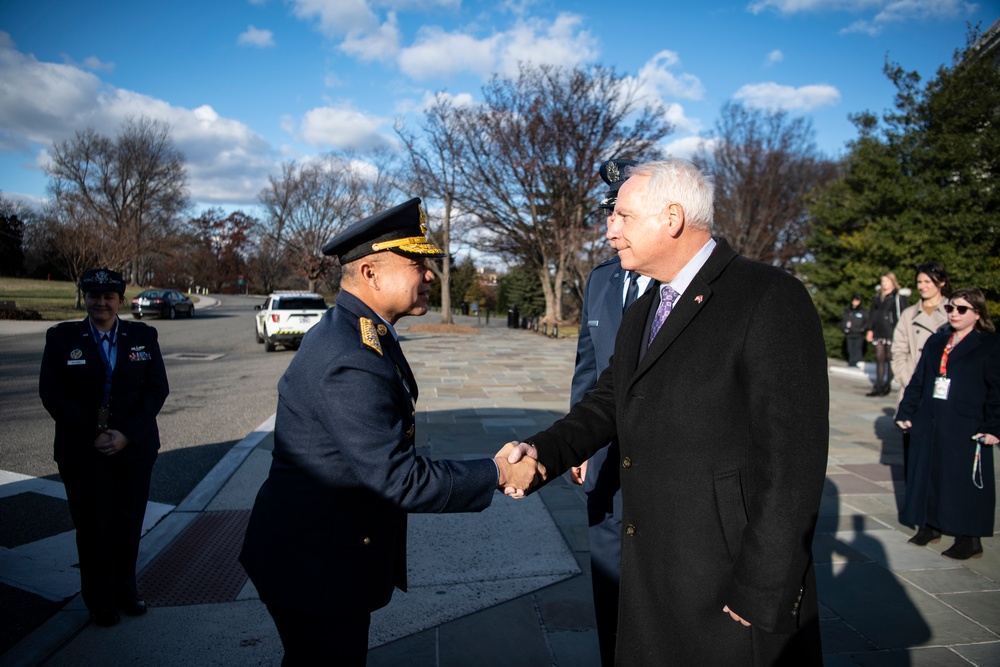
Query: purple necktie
[(667, 297)]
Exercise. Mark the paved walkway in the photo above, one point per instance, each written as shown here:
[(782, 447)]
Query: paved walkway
[(511, 586)]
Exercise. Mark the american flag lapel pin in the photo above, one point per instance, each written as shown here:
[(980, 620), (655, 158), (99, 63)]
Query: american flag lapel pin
[(699, 299)]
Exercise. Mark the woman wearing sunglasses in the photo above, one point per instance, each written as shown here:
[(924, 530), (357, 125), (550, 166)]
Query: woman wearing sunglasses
[(951, 407)]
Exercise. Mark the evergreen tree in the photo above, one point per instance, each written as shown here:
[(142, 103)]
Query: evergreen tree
[(921, 183)]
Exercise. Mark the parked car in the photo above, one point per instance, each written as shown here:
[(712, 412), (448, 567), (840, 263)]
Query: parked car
[(162, 303), (285, 317)]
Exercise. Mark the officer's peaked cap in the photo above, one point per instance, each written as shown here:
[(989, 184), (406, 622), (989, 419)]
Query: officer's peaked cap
[(401, 229), (102, 280), (613, 173)]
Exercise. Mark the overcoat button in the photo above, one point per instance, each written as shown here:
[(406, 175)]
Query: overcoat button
[(630, 530), (626, 462), (367, 541)]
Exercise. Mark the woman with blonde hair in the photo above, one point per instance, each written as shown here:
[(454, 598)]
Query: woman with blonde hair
[(887, 306)]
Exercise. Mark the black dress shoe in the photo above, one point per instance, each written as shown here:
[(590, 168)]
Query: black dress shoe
[(965, 547), (925, 536), (876, 391), (104, 617), (132, 606)]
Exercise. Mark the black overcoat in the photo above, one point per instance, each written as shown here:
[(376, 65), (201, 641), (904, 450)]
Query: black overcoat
[(723, 428), (939, 487)]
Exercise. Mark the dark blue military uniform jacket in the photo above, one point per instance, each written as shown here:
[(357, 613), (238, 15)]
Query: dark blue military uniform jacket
[(71, 385), (328, 528)]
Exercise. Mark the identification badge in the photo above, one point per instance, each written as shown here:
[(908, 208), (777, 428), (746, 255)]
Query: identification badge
[(103, 415), (941, 386)]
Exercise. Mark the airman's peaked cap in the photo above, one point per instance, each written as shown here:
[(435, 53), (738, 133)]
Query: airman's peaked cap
[(613, 173), (102, 280), (401, 229)]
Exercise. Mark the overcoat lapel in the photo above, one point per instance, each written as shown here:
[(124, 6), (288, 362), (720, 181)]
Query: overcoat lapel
[(968, 344), (691, 303)]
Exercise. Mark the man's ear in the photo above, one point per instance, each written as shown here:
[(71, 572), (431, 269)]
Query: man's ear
[(368, 274), (675, 219)]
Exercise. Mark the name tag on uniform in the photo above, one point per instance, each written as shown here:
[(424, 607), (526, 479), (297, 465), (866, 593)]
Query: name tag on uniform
[(593, 323), (941, 386), (76, 362)]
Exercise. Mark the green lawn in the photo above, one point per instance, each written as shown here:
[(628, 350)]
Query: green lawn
[(54, 299)]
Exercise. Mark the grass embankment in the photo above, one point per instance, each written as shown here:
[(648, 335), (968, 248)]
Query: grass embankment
[(54, 299)]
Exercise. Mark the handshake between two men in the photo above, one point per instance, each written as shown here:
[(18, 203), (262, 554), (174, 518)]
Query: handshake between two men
[(520, 473)]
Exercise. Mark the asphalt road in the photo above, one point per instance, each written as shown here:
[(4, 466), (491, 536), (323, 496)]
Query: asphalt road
[(222, 386)]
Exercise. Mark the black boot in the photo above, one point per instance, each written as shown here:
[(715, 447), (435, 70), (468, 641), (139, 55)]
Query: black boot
[(965, 547), (925, 536), (876, 391)]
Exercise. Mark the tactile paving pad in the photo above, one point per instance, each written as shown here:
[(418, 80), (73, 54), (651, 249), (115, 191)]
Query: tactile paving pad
[(200, 566)]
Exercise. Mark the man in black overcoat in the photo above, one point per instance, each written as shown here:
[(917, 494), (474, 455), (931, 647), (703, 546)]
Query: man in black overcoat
[(723, 430)]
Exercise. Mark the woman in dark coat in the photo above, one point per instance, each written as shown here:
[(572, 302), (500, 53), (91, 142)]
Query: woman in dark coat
[(884, 314), (952, 409), (103, 381)]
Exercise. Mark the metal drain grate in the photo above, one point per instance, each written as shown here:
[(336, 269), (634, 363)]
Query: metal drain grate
[(200, 567)]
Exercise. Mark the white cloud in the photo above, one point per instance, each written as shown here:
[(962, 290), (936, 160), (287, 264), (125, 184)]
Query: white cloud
[(562, 43), (433, 55), (459, 100), (679, 121), (437, 53), (380, 44), (256, 37), (344, 128), (886, 11), (93, 63), (901, 11), (687, 147), (797, 6), (41, 103), (337, 17), (656, 80), (773, 57), (774, 96)]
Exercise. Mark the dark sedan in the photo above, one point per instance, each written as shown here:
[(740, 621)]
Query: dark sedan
[(162, 303)]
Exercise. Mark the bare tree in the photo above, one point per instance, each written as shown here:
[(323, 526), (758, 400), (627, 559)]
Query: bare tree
[(75, 242), (434, 157), (530, 157), (133, 186), (305, 207), (765, 167)]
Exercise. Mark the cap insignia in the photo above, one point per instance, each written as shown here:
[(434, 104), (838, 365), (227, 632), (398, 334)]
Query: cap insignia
[(369, 335), (613, 174)]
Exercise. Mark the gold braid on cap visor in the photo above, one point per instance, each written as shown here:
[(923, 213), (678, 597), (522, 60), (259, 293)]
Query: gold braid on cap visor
[(418, 245)]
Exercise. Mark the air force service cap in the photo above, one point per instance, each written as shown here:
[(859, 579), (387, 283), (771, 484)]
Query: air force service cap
[(102, 280), (613, 173), (401, 229)]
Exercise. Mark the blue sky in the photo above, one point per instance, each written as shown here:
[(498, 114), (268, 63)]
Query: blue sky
[(248, 84)]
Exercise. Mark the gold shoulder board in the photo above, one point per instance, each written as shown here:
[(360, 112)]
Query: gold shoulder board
[(369, 335)]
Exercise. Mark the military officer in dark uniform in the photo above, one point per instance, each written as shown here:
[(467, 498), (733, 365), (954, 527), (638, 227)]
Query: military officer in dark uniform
[(326, 542), (103, 381)]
